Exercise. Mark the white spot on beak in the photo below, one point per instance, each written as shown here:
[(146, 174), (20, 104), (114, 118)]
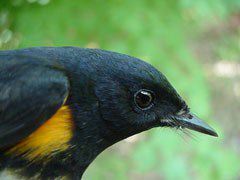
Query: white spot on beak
[(181, 112)]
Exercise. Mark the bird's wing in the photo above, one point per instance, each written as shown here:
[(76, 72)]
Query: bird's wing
[(30, 94)]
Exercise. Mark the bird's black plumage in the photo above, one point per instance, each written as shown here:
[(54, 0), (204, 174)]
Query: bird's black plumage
[(31, 92), (99, 89)]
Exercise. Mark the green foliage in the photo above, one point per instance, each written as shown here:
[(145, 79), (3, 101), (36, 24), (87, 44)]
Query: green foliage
[(157, 31)]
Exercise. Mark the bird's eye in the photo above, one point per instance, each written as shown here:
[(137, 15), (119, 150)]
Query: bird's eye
[(144, 99)]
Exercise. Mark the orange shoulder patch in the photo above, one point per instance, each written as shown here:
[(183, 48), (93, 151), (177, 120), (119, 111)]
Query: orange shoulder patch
[(53, 136)]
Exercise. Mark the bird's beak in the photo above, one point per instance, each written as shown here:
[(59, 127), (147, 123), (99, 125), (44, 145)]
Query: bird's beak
[(192, 122)]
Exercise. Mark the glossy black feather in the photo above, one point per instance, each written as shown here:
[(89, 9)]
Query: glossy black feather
[(30, 93)]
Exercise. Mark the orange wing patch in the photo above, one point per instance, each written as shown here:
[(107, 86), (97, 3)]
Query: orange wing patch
[(53, 136)]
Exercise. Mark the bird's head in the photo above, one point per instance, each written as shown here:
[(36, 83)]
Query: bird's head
[(134, 97)]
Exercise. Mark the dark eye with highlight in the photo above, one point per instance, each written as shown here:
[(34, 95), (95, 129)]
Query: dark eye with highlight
[(144, 99)]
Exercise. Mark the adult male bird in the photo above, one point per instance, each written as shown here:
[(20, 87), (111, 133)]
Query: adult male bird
[(61, 107)]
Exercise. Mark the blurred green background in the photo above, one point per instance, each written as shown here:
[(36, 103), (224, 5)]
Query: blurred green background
[(195, 43)]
